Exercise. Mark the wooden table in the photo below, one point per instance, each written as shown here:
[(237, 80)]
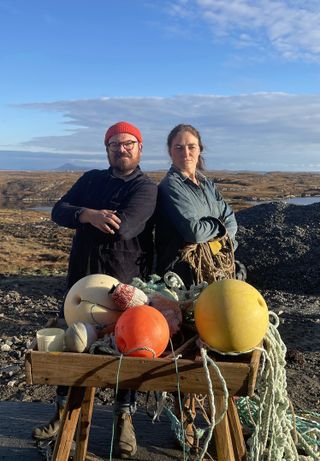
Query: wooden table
[(84, 372)]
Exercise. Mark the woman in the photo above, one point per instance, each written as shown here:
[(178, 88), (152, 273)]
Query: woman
[(191, 211), (195, 230)]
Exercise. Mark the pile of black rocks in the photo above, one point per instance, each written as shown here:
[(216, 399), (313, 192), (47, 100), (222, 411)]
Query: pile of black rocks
[(280, 246)]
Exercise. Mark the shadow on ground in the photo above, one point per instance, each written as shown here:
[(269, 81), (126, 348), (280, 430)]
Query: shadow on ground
[(156, 441)]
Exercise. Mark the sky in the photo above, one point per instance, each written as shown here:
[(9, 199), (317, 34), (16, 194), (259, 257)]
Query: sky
[(245, 73)]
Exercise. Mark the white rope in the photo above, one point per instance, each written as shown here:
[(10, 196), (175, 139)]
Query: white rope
[(306, 426), (213, 420), (272, 439), (173, 280), (140, 348), (160, 406)]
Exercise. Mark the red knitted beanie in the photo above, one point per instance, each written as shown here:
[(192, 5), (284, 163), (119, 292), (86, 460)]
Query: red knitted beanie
[(122, 127)]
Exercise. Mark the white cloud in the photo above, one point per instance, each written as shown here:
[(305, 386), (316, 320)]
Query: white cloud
[(290, 27), (265, 131)]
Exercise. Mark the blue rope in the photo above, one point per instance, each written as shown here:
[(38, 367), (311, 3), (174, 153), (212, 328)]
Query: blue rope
[(176, 358), (116, 393)]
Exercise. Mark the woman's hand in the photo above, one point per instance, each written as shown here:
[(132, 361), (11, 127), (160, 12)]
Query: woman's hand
[(105, 220)]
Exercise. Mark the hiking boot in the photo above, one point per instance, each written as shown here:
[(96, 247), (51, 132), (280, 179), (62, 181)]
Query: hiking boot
[(125, 445), (50, 429)]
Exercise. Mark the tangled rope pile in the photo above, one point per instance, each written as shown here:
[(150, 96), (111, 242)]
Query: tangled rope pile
[(273, 419), (272, 439), (171, 286), (208, 265), (306, 425)]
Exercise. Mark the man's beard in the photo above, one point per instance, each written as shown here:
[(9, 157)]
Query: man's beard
[(123, 163)]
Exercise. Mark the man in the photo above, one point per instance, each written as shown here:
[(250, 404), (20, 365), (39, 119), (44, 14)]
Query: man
[(109, 210)]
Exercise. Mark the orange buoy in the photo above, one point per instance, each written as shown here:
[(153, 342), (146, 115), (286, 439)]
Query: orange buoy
[(142, 331), (231, 316)]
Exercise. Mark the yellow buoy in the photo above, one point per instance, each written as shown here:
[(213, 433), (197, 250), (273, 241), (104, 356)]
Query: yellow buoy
[(231, 316)]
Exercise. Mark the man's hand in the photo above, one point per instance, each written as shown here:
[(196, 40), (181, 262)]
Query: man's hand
[(105, 220)]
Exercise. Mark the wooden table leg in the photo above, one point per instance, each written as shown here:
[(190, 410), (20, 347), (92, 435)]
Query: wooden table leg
[(68, 424), (236, 432), (84, 424), (222, 434)]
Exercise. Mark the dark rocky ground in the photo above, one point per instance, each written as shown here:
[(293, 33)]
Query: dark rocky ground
[(280, 245)]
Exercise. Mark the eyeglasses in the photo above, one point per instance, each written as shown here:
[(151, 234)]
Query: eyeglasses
[(115, 146), (190, 147)]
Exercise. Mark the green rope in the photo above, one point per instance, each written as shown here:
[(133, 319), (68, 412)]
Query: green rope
[(307, 426), (177, 425), (179, 429), (272, 438), (172, 286)]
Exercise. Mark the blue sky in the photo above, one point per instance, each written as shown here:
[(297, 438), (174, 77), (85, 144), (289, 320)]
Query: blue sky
[(244, 72)]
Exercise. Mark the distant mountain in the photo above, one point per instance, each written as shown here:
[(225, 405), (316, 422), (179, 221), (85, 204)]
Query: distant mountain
[(70, 167)]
